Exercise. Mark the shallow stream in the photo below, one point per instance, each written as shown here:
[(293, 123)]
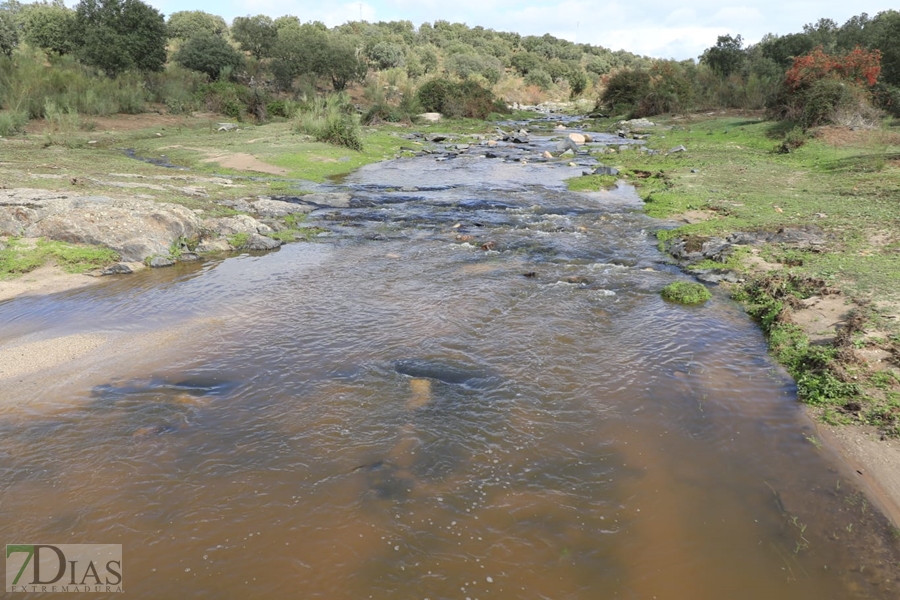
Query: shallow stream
[(472, 389)]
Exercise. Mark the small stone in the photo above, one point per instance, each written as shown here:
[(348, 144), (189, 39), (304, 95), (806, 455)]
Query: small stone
[(488, 246), (677, 149), (547, 155), (188, 257)]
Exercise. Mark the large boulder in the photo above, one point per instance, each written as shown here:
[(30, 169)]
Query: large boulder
[(135, 228)]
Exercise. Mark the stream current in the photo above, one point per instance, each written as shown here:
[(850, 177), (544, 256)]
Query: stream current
[(470, 389)]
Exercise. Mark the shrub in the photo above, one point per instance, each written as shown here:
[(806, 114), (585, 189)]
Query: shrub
[(28, 85), (466, 99), (821, 88), (686, 292), (12, 122), (226, 98), (625, 90), (887, 98), (539, 78), (332, 120), (386, 55), (793, 139)]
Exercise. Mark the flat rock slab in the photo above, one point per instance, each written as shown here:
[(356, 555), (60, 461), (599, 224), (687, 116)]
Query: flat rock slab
[(135, 228)]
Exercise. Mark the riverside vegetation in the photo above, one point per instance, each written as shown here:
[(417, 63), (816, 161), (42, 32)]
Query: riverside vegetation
[(797, 231), (826, 164)]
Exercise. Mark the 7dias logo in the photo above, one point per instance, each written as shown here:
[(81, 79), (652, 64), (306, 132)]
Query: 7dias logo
[(64, 568)]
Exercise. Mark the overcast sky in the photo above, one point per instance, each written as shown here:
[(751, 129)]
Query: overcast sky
[(652, 27)]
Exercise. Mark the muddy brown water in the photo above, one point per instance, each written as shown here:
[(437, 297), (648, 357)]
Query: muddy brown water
[(395, 413)]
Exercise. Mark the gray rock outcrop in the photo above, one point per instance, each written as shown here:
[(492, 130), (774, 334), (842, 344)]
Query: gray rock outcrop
[(135, 228)]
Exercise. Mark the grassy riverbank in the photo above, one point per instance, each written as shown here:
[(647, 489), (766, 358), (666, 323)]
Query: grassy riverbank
[(188, 161), (820, 258)]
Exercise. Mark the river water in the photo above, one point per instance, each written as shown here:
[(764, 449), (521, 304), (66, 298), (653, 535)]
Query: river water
[(471, 389)]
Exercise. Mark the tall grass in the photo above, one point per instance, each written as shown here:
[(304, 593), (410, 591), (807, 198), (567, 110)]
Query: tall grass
[(332, 120), (29, 82), (12, 122)]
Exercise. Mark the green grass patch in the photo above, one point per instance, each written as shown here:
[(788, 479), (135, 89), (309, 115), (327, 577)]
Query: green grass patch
[(591, 183), (238, 240), (686, 292), (733, 169), (19, 257)]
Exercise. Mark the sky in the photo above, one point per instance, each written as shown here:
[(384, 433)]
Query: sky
[(657, 28)]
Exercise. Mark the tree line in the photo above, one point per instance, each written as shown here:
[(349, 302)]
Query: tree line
[(117, 38), (827, 70)]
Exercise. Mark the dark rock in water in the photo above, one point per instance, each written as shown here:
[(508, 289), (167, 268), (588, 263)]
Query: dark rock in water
[(414, 367), (491, 155), (158, 262), (117, 269), (529, 274), (436, 137), (188, 257), (261, 243), (604, 170)]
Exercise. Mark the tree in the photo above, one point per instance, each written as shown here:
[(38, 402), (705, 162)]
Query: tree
[(50, 27), (256, 35), (885, 37), (783, 50), (525, 62), (341, 61), (578, 81), (386, 55), (625, 90), (9, 32), (210, 54), (726, 57), (117, 35), (187, 24)]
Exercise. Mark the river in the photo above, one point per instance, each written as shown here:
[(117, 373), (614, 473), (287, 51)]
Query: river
[(471, 389)]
